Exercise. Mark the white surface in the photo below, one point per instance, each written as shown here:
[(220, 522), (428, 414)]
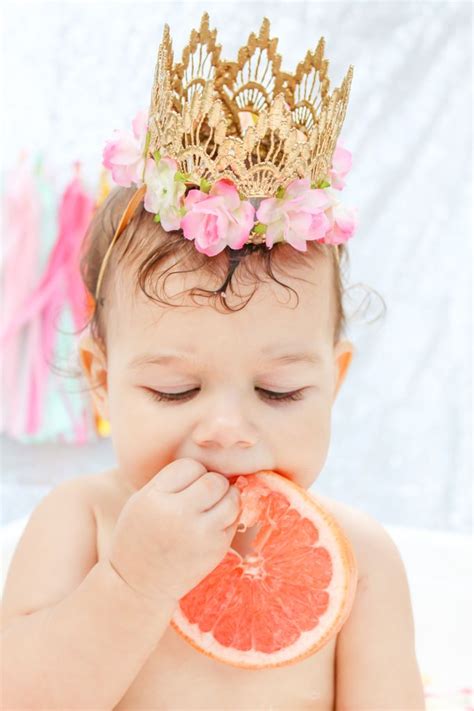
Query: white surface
[(439, 571)]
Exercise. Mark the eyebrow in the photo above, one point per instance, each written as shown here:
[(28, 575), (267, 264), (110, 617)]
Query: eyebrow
[(310, 357)]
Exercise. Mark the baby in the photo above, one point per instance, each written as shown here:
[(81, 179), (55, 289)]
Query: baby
[(195, 391), (207, 362)]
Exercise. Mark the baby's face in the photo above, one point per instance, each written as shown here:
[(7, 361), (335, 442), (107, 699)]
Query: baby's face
[(226, 371)]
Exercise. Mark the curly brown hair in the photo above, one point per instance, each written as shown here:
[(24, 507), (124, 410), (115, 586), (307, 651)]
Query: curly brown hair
[(145, 246)]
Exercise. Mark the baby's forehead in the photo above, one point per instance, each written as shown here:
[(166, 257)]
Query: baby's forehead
[(273, 311)]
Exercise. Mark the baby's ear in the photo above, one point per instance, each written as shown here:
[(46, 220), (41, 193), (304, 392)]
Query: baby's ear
[(94, 366), (343, 352)]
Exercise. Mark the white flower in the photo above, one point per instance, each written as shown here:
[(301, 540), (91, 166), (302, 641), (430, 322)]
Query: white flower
[(164, 193)]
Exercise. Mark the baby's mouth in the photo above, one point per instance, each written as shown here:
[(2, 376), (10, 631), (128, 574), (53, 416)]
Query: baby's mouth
[(233, 477)]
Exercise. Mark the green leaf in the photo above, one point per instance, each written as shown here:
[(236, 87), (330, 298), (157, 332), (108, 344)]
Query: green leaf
[(157, 156), (322, 184), (259, 228), (180, 177), (280, 192), (204, 185), (157, 218)]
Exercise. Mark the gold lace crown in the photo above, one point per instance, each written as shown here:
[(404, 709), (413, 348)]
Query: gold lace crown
[(245, 120)]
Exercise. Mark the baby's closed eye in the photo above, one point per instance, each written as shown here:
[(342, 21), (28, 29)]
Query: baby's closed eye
[(186, 395)]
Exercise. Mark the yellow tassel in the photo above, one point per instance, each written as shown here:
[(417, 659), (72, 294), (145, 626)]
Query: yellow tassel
[(102, 426), (104, 187)]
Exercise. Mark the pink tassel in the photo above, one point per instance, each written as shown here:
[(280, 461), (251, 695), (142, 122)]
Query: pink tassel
[(22, 209), (60, 285)]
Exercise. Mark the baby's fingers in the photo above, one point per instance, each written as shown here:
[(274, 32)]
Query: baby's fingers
[(225, 513)]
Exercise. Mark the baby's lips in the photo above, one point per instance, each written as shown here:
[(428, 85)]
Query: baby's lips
[(232, 477), (282, 472)]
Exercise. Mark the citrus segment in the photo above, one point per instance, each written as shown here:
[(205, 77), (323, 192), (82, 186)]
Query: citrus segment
[(285, 599)]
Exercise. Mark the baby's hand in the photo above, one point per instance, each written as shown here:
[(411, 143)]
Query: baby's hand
[(175, 530)]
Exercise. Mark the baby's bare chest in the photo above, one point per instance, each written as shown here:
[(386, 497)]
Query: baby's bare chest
[(178, 677)]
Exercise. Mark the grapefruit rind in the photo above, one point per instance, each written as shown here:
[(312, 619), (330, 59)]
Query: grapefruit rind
[(341, 590)]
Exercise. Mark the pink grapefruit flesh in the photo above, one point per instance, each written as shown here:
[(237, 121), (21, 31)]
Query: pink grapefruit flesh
[(285, 599)]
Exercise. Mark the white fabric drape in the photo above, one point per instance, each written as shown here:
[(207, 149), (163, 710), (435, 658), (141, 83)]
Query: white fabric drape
[(400, 445)]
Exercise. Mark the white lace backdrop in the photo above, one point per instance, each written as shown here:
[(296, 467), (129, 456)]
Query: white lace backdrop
[(401, 440)]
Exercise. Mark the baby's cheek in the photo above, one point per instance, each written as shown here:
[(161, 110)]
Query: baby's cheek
[(140, 458), (142, 441), (306, 446)]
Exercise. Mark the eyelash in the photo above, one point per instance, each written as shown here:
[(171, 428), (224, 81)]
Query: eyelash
[(172, 397)]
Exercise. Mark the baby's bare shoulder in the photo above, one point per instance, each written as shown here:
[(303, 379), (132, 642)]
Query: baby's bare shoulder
[(59, 536), (381, 618), (365, 533)]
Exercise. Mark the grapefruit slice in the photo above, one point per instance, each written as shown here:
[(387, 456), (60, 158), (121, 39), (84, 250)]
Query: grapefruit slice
[(284, 600)]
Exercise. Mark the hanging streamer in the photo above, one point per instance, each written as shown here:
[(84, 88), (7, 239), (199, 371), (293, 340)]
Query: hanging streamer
[(43, 314)]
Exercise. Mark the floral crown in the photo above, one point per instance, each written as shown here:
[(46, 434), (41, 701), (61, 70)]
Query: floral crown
[(236, 153)]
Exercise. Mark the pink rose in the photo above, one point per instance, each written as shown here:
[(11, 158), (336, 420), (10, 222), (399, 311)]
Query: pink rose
[(218, 218), (296, 217), (341, 165), (123, 154)]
